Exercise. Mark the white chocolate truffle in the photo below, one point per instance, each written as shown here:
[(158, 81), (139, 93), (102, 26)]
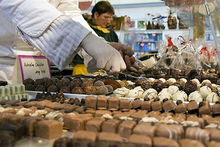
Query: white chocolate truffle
[(151, 80), (197, 82), (205, 91), (150, 93), (212, 97), (183, 79), (180, 95), (121, 92), (196, 96), (173, 89), (162, 80), (206, 82), (137, 92), (171, 81), (164, 94)]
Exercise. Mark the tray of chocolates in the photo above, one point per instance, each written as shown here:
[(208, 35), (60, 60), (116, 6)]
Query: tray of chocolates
[(102, 121)]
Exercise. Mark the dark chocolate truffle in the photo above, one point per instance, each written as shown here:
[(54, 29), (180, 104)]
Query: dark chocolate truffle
[(52, 88)]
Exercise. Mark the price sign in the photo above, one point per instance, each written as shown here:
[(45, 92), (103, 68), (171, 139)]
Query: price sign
[(34, 67)]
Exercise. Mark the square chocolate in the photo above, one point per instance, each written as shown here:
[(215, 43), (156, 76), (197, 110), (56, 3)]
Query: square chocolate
[(145, 129), (196, 133), (190, 143), (175, 132), (205, 108), (76, 122), (216, 109), (181, 108), (49, 129), (137, 104), (192, 106), (140, 140), (156, 106), (169, 106), (90, 102), (146, 105), (213, 144), (100, 113), (109, 139), (110, 126), (94, 125), (164, 142), (125, 104), (113, 103), (126, 127), (215, 134), (102, 102), (85, 136)]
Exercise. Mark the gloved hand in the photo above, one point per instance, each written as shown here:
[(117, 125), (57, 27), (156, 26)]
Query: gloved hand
[(126, 50), (105, 55)]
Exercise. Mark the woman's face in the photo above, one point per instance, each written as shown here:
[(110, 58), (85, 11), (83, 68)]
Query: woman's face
[(102, 20)]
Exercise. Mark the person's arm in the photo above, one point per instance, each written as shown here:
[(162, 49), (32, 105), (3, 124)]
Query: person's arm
[(57, 36)]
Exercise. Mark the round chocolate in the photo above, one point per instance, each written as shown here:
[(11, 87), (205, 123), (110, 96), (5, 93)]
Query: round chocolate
[(101, 90), (77, 90), (110, 88), (99, 83), (65, 89), (52, 88), (190, 87), (90, 90)]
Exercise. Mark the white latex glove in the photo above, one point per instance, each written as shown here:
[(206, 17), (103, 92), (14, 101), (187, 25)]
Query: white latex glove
[(105, 55)]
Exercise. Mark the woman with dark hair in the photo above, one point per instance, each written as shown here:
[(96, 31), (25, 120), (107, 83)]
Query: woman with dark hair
[(102, 14)]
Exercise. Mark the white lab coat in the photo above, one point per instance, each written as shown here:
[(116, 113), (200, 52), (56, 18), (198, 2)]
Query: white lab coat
[(11, 45)]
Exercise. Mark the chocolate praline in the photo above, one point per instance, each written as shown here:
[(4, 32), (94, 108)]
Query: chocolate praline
[(190, 87), (90, 90), (52, 88), (77, 90)]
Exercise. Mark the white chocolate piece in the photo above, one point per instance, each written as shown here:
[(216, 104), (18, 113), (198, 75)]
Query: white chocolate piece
[(151, 80), (164, 94), (162, 80), (180, 95), (121, 92), (171, 81), (137, 92), (150, 93), (196, 96), (212, 97), (206, 82), (205, 91), (173, 89)]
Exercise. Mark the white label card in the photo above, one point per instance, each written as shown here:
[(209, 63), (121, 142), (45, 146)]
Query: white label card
[(34, 67)]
